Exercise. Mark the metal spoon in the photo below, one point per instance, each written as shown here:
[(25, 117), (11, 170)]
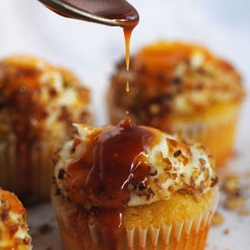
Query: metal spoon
[(108, 12)]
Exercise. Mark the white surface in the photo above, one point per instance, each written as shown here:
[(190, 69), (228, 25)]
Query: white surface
[(90, 50)]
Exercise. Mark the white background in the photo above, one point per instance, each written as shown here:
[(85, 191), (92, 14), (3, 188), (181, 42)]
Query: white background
[(90, 50)]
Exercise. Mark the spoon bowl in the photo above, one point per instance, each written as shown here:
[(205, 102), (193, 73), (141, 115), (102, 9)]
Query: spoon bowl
[(108, 12)]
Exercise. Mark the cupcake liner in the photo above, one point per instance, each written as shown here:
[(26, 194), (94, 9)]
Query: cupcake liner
[(26, 169), (188, 234), (196, 127), (209, 131)]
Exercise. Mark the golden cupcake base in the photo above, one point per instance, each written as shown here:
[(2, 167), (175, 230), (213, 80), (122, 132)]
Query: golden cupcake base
[(181, 223)]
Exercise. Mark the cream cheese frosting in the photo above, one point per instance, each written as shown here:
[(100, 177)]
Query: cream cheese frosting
[(171, 166)]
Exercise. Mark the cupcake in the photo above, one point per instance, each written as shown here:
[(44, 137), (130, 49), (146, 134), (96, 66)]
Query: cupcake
[(13, 223), (181, 89), (133, 187), (38, 103)]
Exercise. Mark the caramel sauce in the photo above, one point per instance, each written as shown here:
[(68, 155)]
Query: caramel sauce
[(115, 163), (110, 221), (127, 36), (115, 159), (121, 153)]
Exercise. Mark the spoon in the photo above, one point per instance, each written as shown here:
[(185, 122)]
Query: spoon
[(108, 12)]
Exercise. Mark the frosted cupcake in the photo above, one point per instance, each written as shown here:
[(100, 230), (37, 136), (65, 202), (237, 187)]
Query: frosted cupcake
[(13, 223), (38, 103), (182, 89), (133, 187)]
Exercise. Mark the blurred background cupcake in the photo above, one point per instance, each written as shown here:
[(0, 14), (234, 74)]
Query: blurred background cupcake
[(182, 89), (14, 231), (38, 103), (133, 187)]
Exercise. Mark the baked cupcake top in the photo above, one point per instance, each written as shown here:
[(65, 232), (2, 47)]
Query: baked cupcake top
[(130, 165), (38, 99), (13, 223), (174, 77)]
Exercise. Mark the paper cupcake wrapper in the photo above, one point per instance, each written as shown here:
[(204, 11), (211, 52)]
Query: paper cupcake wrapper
[(197, 127), (209, 132), (188, 234), (26, 170)]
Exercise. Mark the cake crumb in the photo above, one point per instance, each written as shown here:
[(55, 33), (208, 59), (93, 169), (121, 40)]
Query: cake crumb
[(235, 199), (234, 203), (244, 211), (231, 185), (217, 219)]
